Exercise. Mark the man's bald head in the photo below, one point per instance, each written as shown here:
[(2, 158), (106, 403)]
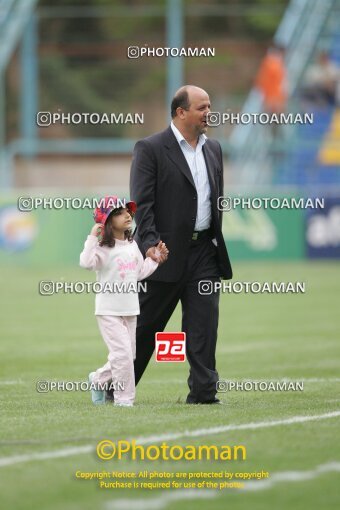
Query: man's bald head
[(184, 96)]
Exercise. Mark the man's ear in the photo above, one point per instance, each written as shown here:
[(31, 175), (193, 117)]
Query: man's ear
[(180, 113)]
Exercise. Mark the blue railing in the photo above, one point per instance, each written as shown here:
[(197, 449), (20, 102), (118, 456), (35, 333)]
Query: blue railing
[(299, 32)]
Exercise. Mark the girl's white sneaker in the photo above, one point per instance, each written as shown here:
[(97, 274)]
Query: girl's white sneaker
[(123, 404)]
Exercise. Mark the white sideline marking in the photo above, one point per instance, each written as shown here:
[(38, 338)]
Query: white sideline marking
[(66, 452), (77, 450), (286, 379), (163, 381), (183, 381), (283, 379), (160, 501), (291, 476), (242, 426), (234, 349), (166, 498), (19, 381), (320, 379)]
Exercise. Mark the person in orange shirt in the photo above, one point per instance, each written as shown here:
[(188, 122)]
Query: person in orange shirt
[(271, 81)]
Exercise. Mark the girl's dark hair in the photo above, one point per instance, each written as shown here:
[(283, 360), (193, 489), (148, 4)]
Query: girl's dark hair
[(107, 234)]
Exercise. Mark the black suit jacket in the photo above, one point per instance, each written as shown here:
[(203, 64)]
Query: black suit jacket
[(162, 186)]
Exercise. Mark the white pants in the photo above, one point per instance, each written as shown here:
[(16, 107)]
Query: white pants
[(119, 334)]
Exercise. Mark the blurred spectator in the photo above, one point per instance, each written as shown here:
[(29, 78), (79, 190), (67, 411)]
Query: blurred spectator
[(322, 80), (271, 80)]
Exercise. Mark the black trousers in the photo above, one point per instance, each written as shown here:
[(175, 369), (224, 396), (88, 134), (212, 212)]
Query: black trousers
[(199, 320)]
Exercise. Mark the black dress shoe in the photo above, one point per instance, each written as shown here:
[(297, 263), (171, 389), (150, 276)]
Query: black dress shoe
[(214, 401)]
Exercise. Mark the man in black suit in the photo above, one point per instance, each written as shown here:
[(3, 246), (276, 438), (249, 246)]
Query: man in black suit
[(176, 178)]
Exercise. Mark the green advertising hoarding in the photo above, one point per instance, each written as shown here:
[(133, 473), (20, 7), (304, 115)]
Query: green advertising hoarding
[(264, 233), (56, 235), (42, 236)]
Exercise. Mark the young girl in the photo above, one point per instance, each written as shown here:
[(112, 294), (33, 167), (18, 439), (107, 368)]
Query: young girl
[(115, 256)]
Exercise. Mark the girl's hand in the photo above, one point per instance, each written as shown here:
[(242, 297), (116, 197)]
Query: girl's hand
[(97, 230)]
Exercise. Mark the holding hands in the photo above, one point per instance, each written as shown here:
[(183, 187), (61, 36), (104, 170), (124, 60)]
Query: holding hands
[(158, 253), (162, 252)]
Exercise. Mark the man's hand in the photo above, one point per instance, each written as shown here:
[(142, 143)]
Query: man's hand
[(158, 253)]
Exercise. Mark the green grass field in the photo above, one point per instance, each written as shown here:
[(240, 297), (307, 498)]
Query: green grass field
[(261, 337)]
